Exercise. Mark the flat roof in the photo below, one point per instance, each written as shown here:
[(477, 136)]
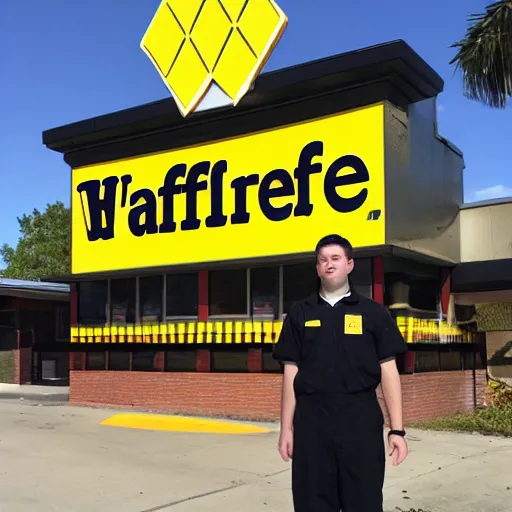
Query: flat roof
[(487, 202), (482, 276), (21, 284), (390, 71)]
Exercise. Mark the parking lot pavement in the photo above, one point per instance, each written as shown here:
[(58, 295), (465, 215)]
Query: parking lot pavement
[(60, 458)]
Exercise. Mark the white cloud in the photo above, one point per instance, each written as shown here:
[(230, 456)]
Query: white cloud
[(494, 192)]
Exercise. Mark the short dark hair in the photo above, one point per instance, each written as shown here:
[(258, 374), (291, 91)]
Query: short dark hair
[(336, 240)]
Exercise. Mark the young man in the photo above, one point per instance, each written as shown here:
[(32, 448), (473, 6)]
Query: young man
[(337, 347)]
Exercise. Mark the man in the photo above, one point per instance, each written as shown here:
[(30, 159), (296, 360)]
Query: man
[(337, 347)]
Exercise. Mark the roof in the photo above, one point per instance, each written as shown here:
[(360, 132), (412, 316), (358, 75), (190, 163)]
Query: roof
[(482, 276), (390, 71), (20, 284), (487, 202)]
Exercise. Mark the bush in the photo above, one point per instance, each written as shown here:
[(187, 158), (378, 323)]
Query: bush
[(496, 419), (501, 395)]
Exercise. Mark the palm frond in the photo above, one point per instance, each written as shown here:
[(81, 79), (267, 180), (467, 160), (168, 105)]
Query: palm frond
[(485, 55)]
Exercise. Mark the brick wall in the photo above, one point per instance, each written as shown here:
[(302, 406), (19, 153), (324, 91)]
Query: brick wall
[(255, 396), (432, 395)]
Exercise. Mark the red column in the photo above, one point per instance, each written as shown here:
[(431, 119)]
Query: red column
[(203, 356), (378, 279), (202, 307), (76, 359), (255, 360), (159, 363), (446, 290)]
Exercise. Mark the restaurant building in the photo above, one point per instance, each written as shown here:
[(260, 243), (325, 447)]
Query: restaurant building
[(34, 332), (192, 235)]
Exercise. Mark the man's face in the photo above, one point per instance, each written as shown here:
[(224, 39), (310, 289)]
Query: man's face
[(333, 267)]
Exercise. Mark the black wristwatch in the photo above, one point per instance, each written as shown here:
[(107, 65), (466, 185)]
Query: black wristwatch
[(400, 433)]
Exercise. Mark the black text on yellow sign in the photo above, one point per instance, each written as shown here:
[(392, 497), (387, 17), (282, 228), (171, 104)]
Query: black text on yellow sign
[(264, 194)]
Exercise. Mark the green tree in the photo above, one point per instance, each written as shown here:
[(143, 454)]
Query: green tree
[(44, 246), (485, 55)]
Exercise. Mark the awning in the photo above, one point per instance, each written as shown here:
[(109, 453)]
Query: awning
[(482, 276)]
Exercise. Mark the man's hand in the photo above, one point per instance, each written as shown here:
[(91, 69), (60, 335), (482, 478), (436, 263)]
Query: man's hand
[(398, 449), (286, 444)]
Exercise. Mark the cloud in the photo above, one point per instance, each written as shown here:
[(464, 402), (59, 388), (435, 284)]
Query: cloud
[(440, 108), (494, 192)]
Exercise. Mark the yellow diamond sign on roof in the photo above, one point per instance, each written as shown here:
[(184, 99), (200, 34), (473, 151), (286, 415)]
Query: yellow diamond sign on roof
[(193, 43)]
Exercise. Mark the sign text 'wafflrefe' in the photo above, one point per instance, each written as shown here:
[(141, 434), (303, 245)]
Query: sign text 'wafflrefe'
[(205, 181)]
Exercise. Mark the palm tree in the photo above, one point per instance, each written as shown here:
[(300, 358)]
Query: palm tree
[(485, 55)]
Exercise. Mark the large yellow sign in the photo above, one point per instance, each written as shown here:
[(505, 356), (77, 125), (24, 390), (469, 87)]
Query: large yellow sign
[(193, 43), (270, 193)]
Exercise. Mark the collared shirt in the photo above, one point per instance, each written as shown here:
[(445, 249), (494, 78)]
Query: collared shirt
[(339, 348)]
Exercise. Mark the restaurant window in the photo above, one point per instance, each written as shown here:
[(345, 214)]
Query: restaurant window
[(150, 296), (143, 361), (229, 360), (119, 361), (182, 291), (123, 300), (299, 281), (265, 292), (227, 291), (92, 302), (8, 318), (180, 360), (95, 361)]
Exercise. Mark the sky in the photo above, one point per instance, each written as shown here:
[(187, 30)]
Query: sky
[(63, 61)]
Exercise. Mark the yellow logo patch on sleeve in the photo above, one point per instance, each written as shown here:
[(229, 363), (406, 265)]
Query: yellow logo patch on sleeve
[(313, 323), (353, 324)]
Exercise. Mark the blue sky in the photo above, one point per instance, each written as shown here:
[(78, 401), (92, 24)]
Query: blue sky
[(62, 61)]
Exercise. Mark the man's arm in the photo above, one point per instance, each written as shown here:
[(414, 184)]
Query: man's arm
[(287, 352), (392, 391), (287, 412)]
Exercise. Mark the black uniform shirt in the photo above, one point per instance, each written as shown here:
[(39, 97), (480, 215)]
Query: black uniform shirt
[(338, 349)]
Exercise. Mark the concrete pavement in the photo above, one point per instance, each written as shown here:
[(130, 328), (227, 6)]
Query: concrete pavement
[(61, 459), (43, 394)]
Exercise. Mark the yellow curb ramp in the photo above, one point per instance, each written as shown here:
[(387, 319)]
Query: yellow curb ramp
[(180, 424)]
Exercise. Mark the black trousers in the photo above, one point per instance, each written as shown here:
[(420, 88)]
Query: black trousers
[(339, 454)]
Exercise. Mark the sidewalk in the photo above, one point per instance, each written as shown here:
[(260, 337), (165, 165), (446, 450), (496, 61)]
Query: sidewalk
[(42, 394)]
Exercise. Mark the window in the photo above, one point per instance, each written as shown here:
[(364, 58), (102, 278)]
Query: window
[(95, 361), (123, 301), (92, 302), (299, 281), (228, 292), (229, 360), (143, 361), (265, 292), (151, 294), (8, 318), (180, 361), (181, 295), (119, 361), (63, 319)]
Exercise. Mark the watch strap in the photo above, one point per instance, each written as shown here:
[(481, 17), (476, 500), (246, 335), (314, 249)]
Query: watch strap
[(400, 433)]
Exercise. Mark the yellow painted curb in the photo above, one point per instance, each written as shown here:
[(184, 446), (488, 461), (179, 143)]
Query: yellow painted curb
[(180, 424)]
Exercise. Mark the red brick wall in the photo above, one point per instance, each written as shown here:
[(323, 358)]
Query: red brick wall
[(254, 396), (431, 395)]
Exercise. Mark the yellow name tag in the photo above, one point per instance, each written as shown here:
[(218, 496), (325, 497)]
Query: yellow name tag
[(313, 323), (353, 324)]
